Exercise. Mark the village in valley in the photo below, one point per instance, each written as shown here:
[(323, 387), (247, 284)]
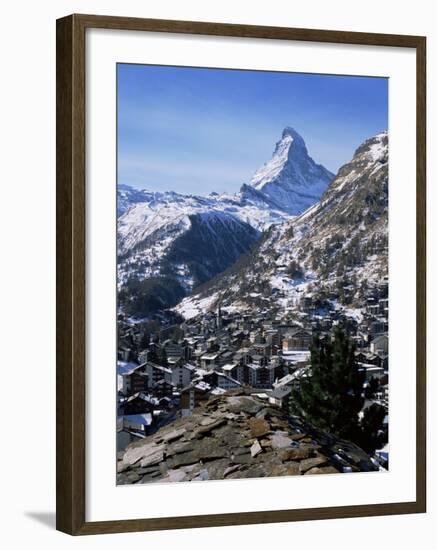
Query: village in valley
[(169, 366)]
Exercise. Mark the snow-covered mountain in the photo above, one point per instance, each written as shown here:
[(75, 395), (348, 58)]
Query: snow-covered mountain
[(170, 251), (334, 251), (291, 178), (155, 210), (178, 241), (128, 196)]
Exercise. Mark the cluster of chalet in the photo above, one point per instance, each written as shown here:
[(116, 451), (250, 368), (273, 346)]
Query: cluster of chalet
[(168, 373)]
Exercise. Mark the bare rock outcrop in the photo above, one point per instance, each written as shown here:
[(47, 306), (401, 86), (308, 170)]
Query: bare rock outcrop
[(237, 436)]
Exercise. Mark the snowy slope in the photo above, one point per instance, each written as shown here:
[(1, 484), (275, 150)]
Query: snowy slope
[(141, 217), (171, 252), (128, 196), (291, 178)]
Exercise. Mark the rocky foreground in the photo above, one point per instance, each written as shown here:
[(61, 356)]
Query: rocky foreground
[(237, 436)]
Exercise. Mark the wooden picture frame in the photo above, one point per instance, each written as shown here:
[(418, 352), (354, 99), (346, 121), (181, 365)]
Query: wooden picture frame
[(71, 248)]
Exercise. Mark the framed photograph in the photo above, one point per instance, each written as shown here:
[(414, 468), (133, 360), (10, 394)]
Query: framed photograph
[(240, 274)]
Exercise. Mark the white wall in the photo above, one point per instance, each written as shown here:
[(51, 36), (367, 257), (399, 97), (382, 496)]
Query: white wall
[(27, 228)]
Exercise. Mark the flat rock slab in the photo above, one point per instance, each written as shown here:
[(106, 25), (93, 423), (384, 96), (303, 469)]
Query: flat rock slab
[(229, 436), (243, 404), (122, 466), (182, 447), (204, 450), (207, 421), (153, 458), (148, 470), (135, 453), (241, 450), (255, 449), (309, 463), (258, 427), (297, 454), (291, 469), (242, 459), (231, 469), (322, 470), (173, 435), (203, 430), (280, 441), (175, 475), (298, 436), (203, 475), (216, 468), (253, 471), (268, 412), (132, 477), (152, 476)]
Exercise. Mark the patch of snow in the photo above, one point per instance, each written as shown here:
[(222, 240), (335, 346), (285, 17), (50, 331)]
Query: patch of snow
[(273, 167), (192, 306)]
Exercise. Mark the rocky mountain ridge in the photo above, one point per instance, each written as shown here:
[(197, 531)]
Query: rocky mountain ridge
[(237, 435)]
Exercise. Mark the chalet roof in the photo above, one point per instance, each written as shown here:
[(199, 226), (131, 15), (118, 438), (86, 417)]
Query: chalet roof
[(157, 367), (210, 356), (223, 375), (296, 331), (280, 392), (229, 366), (202, 385), (126, 368), (144, 419), (142, 397), (163, 382), (252, 366), (189, 366)]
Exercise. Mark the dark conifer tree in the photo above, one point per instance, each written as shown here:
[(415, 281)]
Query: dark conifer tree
[(371, 435), (331, 398)]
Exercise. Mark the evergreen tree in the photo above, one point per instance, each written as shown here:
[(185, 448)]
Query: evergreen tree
[(371, 436), (331, 397)]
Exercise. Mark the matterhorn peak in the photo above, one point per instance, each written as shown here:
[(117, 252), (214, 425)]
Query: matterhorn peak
[(291, 132), (291, 178)]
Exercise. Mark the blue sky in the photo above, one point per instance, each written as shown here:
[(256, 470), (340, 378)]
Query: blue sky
[(195, 130)]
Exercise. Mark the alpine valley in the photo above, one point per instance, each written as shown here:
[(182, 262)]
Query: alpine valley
[(253, 327)]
